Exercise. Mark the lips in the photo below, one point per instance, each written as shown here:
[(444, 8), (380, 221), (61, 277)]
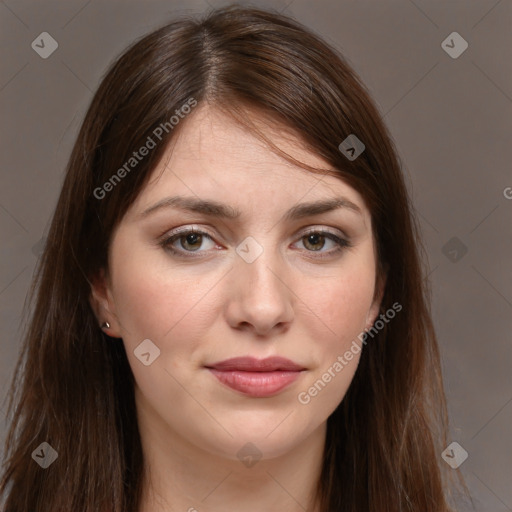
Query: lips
[(257, 377)]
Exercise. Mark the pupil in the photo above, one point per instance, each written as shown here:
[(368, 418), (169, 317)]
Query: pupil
[(192, 238)]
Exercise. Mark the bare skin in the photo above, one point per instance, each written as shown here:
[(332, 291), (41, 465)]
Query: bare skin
[(305, 298)]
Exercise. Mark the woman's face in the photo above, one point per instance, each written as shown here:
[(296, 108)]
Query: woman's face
[(273, 281)]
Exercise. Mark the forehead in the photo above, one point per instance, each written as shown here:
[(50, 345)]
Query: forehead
[(213, 156)]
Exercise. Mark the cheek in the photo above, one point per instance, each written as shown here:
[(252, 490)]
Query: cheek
[(151, 301), (337, 307), (339, 304), (173, 312)]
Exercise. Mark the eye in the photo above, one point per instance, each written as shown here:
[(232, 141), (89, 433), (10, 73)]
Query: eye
[(186, 241), (315, 241)]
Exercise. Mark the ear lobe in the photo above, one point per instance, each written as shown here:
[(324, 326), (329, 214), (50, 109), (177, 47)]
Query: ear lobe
[(102, 303)]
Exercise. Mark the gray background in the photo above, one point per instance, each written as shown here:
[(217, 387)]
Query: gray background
[(450, 118)]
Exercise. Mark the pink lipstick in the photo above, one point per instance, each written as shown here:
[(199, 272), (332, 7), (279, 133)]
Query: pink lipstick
[(256, 377)]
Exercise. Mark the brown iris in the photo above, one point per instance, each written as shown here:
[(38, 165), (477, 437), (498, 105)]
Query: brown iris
[(192, 239), (314, 239)]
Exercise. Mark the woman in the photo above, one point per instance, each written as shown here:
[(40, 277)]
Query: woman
[(230, 312)]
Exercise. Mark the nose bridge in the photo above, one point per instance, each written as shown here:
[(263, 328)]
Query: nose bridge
[(260, 271), (262, 297), (261, 261)]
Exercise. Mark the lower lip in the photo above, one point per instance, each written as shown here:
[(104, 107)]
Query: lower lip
[(256, 384)]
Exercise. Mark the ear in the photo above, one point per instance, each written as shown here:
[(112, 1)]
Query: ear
[(373, 312), (103, 305)]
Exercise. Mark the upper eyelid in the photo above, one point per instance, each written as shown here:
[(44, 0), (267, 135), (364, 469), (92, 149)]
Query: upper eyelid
[(328, 230), (312, 229)]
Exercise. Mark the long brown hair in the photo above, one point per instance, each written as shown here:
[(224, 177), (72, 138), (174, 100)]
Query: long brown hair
[(73, 387)]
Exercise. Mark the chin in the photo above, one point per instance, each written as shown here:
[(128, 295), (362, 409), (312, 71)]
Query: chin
[(267, 439), (249, 449)]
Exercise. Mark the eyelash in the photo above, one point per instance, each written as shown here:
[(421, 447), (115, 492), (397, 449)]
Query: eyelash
[(167, 241)]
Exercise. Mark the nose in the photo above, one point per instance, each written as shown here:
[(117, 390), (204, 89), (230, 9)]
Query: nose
[(260, 299)]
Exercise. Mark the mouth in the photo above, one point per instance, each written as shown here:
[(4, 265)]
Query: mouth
[(257, 377)]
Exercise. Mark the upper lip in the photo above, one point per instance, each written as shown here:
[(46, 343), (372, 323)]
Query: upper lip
[(252, 364)]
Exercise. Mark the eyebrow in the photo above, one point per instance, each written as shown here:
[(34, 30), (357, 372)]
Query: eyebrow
[(220, 210)]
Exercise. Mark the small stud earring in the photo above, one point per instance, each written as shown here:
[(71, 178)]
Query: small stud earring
[(105, 325)]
